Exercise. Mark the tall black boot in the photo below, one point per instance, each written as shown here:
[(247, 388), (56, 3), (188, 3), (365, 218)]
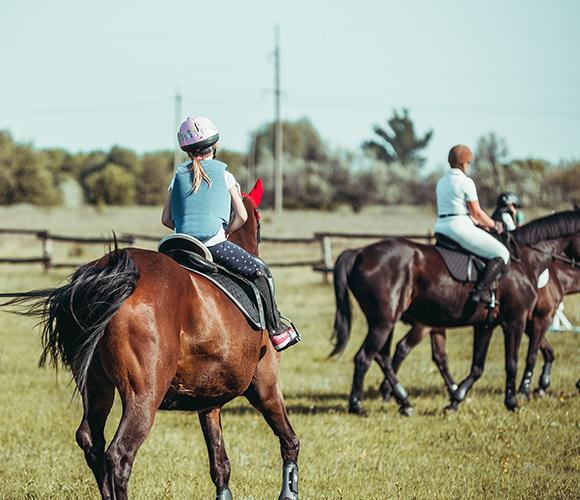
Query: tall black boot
[(281, 335), (482, 289), (265, 287)]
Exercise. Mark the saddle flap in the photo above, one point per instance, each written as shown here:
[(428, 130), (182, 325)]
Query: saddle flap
[(241, 291), (462, 266), (180, 241)]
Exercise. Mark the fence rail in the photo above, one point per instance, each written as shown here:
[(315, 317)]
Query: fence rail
[(324, 239)]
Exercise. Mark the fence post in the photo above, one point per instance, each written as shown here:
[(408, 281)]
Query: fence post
[(46, 249), (326, 247)]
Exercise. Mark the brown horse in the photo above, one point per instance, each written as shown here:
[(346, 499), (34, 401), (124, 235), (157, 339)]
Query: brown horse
[(400, 279), (164, 338), (564, 280)]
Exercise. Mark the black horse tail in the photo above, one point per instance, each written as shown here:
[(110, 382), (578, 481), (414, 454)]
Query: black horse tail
[(343, 317), (74, 316)]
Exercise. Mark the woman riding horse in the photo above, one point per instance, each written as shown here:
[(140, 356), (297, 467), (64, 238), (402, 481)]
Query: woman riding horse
[(458, 211)]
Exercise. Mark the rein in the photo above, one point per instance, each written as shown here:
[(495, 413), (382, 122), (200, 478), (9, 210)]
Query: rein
[(556, 256)]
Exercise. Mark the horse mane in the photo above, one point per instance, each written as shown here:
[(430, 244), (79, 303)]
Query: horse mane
[(552, 226)]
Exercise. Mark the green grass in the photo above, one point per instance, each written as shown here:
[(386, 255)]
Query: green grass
[(481, 452)]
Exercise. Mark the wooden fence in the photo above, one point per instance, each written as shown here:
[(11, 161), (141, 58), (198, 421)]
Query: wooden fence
[(324, 264)]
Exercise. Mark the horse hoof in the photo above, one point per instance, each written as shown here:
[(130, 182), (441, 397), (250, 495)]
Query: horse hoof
[(407, 410), (540, 393), (356, 408), (511, 404), (525, 394), (450, 408)]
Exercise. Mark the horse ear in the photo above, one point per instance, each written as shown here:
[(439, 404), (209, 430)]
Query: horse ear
[(257, 192)]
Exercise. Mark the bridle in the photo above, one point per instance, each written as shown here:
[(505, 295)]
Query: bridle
[(573, 262)]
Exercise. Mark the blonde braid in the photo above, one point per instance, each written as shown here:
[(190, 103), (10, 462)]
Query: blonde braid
[(199, 174)]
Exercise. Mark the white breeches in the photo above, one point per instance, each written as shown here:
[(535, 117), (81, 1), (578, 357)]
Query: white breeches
[(462, 230)]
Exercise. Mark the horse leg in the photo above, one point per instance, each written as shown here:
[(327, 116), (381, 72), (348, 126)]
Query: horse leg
[(439, 356), (414, 336), (481, 338), (386, 390), (383, 358), (535, 330), (219, 464), (97, 402), (136, 421), (545, 376), (512, 339), (377, 337), (265, 395)]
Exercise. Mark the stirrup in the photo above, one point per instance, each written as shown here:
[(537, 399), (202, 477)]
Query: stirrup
[(288, 337)]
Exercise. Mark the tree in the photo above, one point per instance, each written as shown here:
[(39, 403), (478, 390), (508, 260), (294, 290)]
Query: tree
[(153, 177), (300, 140), (562, 186), (124, 157), (26, 174), (236, 161), (111, 185), (399, 144), (490, 156)]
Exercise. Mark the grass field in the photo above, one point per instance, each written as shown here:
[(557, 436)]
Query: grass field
[(481, 452)]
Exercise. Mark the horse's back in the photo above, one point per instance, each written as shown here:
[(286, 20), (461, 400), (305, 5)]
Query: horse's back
[(179, 330)]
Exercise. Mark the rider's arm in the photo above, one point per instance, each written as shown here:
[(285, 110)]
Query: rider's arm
[(475, 211), (240, 213), (166, 218), (480, 216)]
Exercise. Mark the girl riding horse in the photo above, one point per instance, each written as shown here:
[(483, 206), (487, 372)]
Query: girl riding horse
[(201, 196)]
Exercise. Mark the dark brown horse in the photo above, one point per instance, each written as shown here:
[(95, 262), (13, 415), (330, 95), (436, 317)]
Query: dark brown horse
[(564, 280), (137, 322), (400, 279)]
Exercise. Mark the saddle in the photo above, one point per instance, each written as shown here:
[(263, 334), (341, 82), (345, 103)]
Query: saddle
[(463, 265), (193, 255)]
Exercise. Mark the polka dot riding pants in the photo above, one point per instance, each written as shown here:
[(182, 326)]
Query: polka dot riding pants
[(236, 259)]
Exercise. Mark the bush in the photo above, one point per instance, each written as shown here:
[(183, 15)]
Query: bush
[(153, 178), (111, 185)]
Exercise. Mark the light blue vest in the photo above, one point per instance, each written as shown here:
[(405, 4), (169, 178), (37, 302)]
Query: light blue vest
[(200, 214)]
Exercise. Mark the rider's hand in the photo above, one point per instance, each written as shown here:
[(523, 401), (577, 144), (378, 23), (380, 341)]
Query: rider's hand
[(498, 227)]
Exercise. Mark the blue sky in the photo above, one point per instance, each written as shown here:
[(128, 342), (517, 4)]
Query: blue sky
[(86, 75)]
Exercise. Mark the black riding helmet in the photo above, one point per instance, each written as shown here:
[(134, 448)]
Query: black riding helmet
[(509, 198)]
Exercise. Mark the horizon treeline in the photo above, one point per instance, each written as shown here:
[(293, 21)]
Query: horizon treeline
[(387, 169)]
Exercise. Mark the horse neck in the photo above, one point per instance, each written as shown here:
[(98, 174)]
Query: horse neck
[(247, 235), (540, 255), (568, 275)]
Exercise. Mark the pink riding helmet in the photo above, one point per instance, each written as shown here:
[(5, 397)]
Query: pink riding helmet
[(197, 133)]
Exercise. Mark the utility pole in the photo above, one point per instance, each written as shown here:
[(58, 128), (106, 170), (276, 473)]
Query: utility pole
[(278, 177), (177, 150)]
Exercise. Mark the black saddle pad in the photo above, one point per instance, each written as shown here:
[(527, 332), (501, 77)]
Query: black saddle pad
[(462, 265), (241, 291)]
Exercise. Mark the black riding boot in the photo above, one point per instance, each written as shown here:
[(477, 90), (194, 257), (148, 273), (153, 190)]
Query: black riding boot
[(281, 335), (482, 290)]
